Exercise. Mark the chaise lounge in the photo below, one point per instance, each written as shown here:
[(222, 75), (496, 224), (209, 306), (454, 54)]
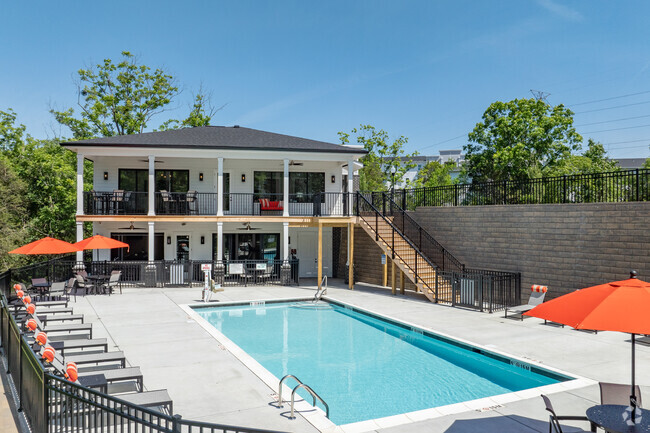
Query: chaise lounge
[(536, 297)]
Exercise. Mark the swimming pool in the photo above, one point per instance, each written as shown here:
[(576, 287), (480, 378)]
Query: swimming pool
[(367, 367)]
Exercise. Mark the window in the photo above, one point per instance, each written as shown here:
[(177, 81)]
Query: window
[(133, 180), (242, 246), (173, 180), (302, 185)]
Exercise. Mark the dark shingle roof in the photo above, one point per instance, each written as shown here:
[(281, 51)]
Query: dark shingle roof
[(217, 137)]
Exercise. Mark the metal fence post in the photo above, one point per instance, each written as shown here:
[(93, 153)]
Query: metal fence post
[(480, 292), (564, 198), (20, 374), (176, 423), (436, 286), (456, 195), (637, 183)]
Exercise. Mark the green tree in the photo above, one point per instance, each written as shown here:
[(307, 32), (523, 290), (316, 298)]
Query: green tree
[(593, 160), (14, 217), (201, 114), (646, 164), (435, 174), (386, 162), (12, 136), (519, 140), (118, 99)]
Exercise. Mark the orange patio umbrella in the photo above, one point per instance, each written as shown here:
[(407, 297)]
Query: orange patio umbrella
[(617, 306), (47, 245), (99, 242)]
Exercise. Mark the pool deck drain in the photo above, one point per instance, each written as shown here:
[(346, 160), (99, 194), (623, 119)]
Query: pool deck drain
[(209, 384)]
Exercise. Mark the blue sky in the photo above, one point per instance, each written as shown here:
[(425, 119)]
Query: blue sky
[(423, 69)]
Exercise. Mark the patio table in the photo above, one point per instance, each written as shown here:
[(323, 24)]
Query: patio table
[(97, 280), (42, 288), (614, 418)]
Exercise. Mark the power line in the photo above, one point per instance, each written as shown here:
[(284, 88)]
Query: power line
[(443, 142), (609, 99), (617, 129), (625, 142), (612, 121), (540, 95), (611, 108)]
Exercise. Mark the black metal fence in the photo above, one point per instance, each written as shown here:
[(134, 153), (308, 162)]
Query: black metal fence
[(52, 404), (206, 203), (617, 186), (483, 289), (167, 273)]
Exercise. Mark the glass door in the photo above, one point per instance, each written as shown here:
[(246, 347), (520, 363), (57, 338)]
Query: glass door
[(182, 248)]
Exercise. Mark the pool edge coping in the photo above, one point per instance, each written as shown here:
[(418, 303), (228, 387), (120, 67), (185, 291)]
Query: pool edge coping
[(316, 416)]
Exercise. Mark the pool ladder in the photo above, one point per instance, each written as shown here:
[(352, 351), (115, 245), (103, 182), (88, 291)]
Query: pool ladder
[(322, 291), (293, 394)]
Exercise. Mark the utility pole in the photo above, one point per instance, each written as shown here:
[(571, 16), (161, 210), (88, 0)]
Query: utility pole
[(540, 95)]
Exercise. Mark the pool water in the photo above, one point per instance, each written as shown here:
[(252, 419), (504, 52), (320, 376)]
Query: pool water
[(365, 367)]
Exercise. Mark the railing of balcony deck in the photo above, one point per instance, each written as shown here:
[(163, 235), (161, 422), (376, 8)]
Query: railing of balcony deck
[(186, 203), (117, 202)]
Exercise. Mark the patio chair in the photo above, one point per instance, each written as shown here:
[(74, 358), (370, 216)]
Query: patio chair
[(167, 199), (618, 393), (82, 284), (537, 294), (61, 346), (70, 327), (117, 200), (554, 420), (59, 290), (191, 201), (113, 281)]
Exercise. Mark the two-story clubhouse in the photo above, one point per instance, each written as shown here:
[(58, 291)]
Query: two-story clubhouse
[(217, 194)]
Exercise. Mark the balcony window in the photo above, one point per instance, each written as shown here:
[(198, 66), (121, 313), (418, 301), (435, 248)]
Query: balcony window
[(302, 185), (173, 180)]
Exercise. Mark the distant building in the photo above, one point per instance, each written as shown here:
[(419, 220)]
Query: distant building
[(630, 163), (421, 161)]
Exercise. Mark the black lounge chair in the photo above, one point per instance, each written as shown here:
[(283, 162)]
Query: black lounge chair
[(78, 344), (554, 420), (120, 375)]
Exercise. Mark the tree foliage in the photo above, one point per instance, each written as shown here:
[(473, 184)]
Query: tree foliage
[(118, 99), (593, 160), (435, 173), (520, 139), (386, 162)]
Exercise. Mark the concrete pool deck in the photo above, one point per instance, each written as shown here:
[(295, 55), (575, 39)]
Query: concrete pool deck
[(208, 383)]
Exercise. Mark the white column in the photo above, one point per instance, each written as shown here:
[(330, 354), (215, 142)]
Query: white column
[(151, 255), (350, 184), (285, 212), (80, 237), (220, 188), (219, 241), (285, 240), (80, 184), (152, 186)]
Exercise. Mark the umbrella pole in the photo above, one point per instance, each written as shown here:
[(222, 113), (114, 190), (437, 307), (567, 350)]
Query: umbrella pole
[(632, 396)]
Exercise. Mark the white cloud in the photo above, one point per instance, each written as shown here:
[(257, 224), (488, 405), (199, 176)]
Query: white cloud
[(561, 10)]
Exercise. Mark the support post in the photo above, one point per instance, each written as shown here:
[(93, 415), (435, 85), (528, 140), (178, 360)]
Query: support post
[(285, 189), (150, 251), (401, 282), (220, 189), (80, 237), (350, 186), (393, 286), (351, 256), (320, 254), (219, 268), (285, 268), (80, 184), (152, 186), (385, 281)]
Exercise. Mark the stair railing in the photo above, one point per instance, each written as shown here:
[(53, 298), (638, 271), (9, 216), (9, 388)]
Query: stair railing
[(421, 238), (371, 216)]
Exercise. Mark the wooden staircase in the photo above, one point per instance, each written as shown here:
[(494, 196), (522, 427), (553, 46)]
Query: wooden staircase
[(408, 259)]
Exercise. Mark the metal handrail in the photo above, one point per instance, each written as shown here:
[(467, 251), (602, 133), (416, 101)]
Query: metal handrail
[(313, 393), (320, 292), (444, 252), (314, 396), (406, 239)]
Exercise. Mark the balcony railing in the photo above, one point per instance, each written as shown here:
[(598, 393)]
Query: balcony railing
[(206, 203)]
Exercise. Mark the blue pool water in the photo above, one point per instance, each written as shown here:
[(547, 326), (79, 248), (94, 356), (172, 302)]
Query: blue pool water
[(365, 367)]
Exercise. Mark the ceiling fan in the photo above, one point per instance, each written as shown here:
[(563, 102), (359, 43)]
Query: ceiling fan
[(247, 227), (131, 227)]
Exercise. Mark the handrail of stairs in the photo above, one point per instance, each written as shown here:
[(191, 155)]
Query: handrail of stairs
[(373, 211), (427, 245)]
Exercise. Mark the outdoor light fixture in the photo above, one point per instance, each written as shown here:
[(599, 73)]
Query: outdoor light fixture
[(201, 177), (333, 179), (169, 240), (243, 177), (105, 175), (202, 240)]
